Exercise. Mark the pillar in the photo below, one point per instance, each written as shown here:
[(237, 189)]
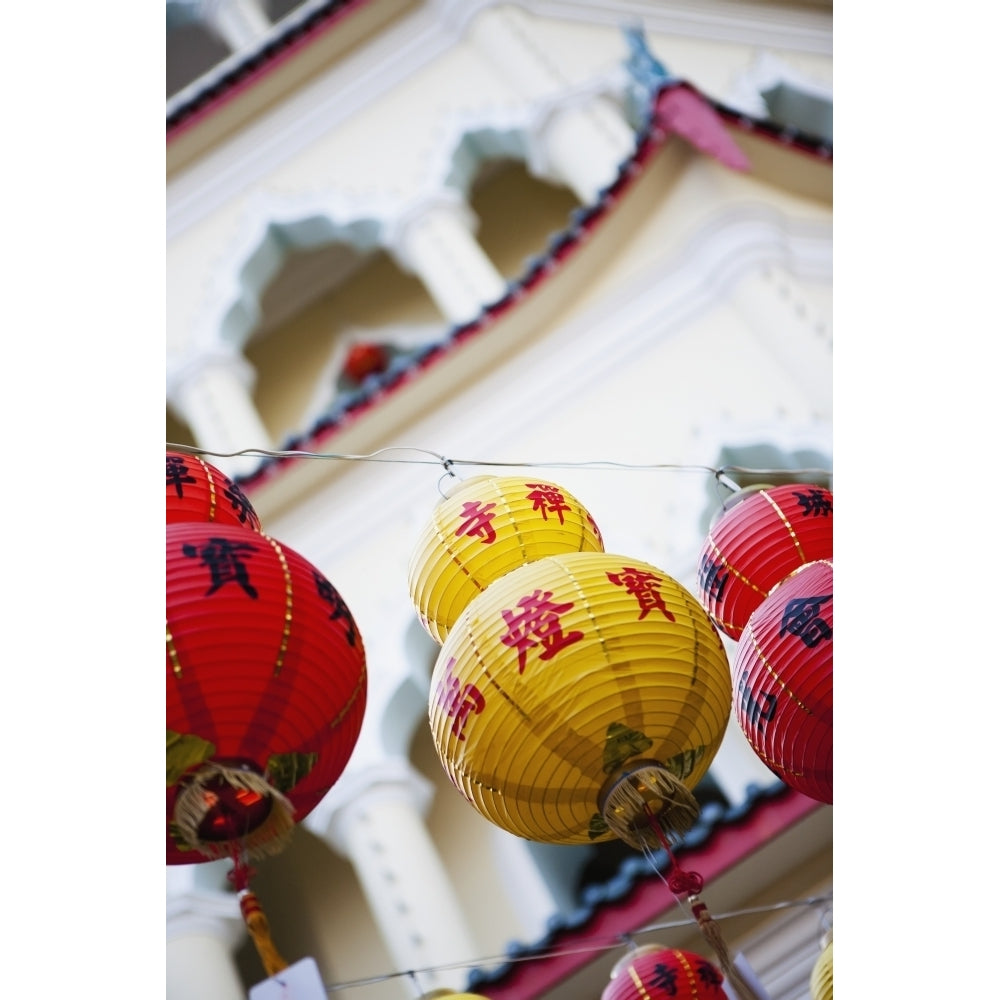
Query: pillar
[(579, 140), (213, 395), (374, 817), (203, 929), (436, 243)]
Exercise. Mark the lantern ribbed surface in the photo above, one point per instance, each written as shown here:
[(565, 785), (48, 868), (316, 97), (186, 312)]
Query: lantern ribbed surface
[(655, 973), (756, 543), (198, 491), (265, 670), (486, 527), (565, 672), (783, 681), (821, 979)]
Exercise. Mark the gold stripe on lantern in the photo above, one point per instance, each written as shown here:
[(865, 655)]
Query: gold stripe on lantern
[(578, 694), (486, 527)]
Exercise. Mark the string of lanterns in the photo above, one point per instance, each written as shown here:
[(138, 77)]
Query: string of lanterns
[(578, 695)]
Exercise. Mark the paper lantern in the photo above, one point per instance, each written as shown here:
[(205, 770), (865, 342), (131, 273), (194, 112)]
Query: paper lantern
[(821, 979), (783, 680), (266, 689), (656, 973), (484, 528), (577, 693), (197, 491), (762, 536)]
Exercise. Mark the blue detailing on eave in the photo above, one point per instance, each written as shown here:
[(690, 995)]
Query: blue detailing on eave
[(632, 871)]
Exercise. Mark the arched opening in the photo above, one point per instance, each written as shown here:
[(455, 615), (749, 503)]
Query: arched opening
[(518, 213)]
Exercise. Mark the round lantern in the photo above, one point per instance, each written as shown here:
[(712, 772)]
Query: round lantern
[(656, 973), (197, 491), (266, 689), (783, 680), (483, 529), (821, 979), (581, 697), (762, 536)]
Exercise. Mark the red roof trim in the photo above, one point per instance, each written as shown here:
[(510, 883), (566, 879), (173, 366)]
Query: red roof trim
[(729, 845), (273, 55)]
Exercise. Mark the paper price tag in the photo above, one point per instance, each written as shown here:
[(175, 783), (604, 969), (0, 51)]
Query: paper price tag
[(300, 981)]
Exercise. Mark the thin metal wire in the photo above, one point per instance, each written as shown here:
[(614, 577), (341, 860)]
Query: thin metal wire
[(597, 945), (435, 458)]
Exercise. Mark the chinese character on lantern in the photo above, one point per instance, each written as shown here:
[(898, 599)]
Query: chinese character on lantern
[(537, 624), (644, 586)]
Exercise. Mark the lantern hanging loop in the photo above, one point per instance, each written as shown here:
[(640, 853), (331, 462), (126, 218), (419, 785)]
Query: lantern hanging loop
[(642, 802), (221, 803)]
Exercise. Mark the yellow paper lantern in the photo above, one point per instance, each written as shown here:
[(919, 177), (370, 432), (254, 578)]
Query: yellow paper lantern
[(821, 980), (486, 527), (582, 697)]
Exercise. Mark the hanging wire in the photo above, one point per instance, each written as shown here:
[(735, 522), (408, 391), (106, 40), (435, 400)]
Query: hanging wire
[(435, 458), (595, 945)]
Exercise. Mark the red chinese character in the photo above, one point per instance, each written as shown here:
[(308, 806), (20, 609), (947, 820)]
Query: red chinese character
[(596, 530), (643, 586), (478, 521), (459, 700), (547, 499), (539, 618)]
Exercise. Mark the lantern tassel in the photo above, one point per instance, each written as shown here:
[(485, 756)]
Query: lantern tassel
[(712, 933), (196, 799), (260, 933), (689, 883)]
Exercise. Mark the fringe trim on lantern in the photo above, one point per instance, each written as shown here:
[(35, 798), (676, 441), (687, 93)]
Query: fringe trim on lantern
[(642, 794), (260, 933), (191, 807), (712, 933)]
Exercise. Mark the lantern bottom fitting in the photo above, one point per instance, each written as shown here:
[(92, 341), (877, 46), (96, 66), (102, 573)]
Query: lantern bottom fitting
[(643, 796), (223, 806)]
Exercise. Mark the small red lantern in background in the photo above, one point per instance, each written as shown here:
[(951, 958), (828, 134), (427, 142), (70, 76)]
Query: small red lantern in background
[(764, 534), (783, 681), (197, 491), (266, 690), (656, 973)]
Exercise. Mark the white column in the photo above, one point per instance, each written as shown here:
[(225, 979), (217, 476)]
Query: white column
[(213, 395), (203, 929), (436, 243), (374, 818), (239, 23), (582, 144)]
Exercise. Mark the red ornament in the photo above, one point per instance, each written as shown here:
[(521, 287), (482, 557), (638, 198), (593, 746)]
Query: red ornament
[(266, 690), (365, 359), (197, 491), (656, 973), (762, 537), (783, 681)]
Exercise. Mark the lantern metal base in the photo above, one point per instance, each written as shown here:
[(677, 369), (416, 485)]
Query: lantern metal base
[(264, 833), (641, 798)]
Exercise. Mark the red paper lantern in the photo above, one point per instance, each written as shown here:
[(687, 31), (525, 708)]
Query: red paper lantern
[(197, 491), (783, 681), (266, 690), (762, 536), (656, 973)]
